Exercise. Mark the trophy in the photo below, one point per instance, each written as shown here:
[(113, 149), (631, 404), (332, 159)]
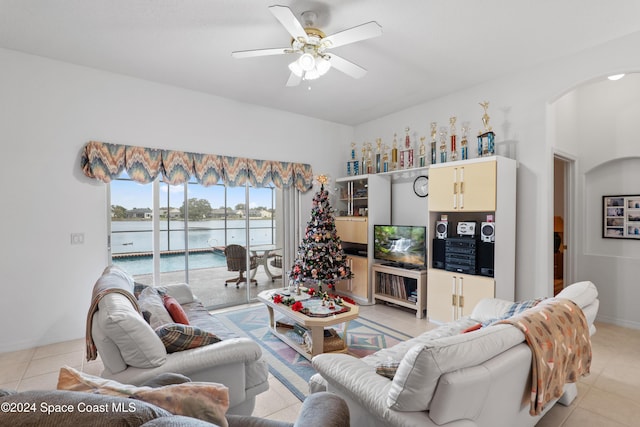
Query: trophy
[(385, 158), (434, 132), (443, 144), (352, 164), (486, 137), (394, 153), (370, 165), (464, 150), (406, 155), (378, 155), (364, 158), (454, 152), (423, 151)]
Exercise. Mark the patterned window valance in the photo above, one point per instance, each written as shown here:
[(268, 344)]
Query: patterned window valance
[(104, 161)]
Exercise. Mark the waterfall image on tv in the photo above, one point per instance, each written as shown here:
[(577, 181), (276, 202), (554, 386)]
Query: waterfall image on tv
[(404, 245)]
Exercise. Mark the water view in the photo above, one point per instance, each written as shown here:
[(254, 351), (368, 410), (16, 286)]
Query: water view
[(132, 243)]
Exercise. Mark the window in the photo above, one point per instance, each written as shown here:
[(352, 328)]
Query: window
[(188, 235)]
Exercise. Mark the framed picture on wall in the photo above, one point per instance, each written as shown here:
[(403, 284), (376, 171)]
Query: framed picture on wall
[(621, 217)]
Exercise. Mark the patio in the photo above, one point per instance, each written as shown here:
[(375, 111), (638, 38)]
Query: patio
[(208, 284)]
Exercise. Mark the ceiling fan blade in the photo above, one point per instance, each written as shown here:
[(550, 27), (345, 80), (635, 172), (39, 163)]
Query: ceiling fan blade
[(239, 54), (289, 22), (355, 34), (294, 80), (347, 67)]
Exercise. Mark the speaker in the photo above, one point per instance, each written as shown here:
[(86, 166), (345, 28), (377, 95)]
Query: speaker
[(439, 250), (485, 258), (442, 228), (488, 232)]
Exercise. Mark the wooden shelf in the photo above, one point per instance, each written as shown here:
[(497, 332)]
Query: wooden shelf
[(399, 288)]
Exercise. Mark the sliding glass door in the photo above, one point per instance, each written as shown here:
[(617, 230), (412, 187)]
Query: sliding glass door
[(165, 234)]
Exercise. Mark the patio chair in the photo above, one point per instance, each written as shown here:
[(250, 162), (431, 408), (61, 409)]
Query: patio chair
[(277, 263), (237, 261)]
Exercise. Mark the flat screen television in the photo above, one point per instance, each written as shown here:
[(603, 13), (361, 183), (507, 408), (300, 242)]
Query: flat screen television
[(400, 245)]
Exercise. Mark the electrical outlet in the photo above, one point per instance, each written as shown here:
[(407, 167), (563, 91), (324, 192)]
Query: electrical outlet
[(77, 238)]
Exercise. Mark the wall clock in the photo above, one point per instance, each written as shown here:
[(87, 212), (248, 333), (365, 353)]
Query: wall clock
[(421, 186)]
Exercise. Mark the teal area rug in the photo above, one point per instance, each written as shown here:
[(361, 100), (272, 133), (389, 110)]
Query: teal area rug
[(364, 337)]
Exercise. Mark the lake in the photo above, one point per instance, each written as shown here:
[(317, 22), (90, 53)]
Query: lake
[(136, 236), (129, 237)]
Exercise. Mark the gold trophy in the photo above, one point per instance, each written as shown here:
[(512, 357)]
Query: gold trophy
[(454, 152), (406, 156), (486, 137), (378, 155), (434, 132), (464, 150), (443, 144), (394, 153), (423, 151), (385, 158)]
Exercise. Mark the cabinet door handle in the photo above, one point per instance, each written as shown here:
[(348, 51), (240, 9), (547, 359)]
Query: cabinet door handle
[(461, 301), (454, 300)]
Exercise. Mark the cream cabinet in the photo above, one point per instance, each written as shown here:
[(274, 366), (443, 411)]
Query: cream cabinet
[(477, 190), (464, 186), (352, 229), (360, 202), (358, 285), (451, 296)]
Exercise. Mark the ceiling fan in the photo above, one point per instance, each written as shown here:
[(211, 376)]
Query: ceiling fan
[(312, 46)]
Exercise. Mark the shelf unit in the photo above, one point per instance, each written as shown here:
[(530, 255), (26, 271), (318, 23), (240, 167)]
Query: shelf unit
[(470, 190), (356, 214), (404, 287)]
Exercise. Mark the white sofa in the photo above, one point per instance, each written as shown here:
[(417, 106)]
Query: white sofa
[(474, 379), (133, 353)]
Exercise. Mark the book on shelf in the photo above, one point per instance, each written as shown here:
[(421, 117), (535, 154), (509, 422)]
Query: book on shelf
[(397, 286)]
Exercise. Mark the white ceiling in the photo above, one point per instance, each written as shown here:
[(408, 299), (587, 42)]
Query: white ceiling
[(428, 47)]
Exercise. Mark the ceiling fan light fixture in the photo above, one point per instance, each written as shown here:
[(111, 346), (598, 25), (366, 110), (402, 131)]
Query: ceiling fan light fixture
[(311, 75), (296, 68), (322, 65), (307, 62)]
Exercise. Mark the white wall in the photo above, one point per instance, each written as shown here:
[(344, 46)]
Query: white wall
[(525, 126), (49, 110), (599, 122)]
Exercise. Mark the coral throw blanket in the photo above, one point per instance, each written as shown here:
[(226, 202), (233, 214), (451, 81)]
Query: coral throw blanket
[(558, 335)]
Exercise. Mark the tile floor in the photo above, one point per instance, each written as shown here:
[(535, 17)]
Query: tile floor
[(608, 397)]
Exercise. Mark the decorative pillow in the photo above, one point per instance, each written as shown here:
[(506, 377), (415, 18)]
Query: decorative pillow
[(419, 371), (472, 328), (138, 288), (74, 380), (387, 369), (204, 401), (137, 343), (151, 301), (167, 378), (178, 337), (515, 308), (175, 310)]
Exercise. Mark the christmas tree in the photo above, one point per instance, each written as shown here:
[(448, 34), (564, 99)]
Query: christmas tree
[(320, 259)]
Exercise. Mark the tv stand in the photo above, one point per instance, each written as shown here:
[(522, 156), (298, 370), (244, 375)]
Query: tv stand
[(401, 286)]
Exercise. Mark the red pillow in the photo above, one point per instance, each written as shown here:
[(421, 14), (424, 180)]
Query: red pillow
[(175, 310), (470, 328)]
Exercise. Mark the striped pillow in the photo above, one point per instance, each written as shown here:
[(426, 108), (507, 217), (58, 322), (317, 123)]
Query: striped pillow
[(178, 337)]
